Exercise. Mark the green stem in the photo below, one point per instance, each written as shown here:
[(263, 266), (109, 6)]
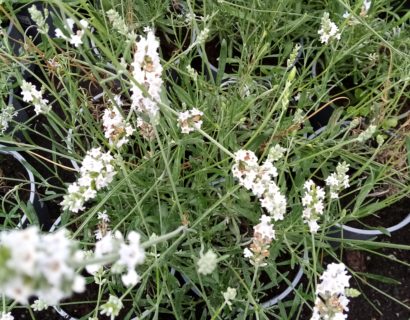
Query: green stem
[(165, 237)]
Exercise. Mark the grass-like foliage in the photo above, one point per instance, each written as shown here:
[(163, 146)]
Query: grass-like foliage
[(227, 140)]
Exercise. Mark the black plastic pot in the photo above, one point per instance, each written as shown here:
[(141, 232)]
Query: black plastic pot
[(274, 300), (341, 231), (350, 233), (39, 207)]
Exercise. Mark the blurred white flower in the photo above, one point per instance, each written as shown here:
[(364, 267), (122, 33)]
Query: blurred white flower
[(39, 305), (131, 278), (35, 264), (207, 262), (103, 216), (146, 130), (103, 225), (365, 8), (189, 17), (112, 307), (203, 35), (192, 73), (229, 295), (130, 255), (117, 22), (6, 316)]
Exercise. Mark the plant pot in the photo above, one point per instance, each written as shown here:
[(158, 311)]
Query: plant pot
[(342, 231), (39, 207), (274, 300), (350, 233)]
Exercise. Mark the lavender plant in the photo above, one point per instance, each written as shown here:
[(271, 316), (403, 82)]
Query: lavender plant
[(175, 141)]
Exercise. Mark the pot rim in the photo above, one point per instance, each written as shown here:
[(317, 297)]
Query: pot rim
[(290, 288), (370, 232)]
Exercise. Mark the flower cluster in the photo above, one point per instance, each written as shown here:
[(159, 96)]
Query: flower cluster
[(229, 295), (6, 316), (338, 180), (328, 30), (192, 73), (39, 305), (276, 153), (131, 253), (207, 262), (146, 73), (146, 129), (31, 94), (312, 202), (117, 22), (40, 19), (331, 298), (74, 38), (259, 179), (42, 265), (263, 234), (203, 35), (190, 120), (367, 134), (116, 129), (97, 172), (6, 115), (112, 307)]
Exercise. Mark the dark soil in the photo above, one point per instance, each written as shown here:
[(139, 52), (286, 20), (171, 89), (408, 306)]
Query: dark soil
[(374, 264)]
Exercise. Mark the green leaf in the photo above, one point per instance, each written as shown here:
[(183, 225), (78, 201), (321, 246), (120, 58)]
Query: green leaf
[(381, 278), (221, 61)]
